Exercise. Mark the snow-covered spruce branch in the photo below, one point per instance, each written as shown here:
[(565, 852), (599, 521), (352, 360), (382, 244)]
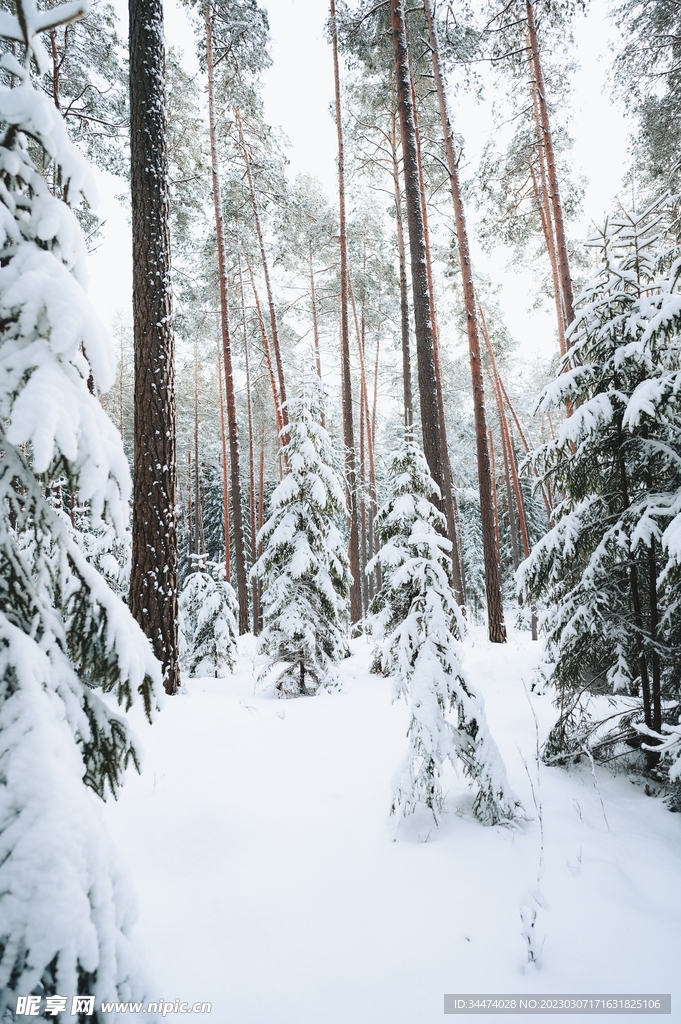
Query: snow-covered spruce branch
[(608, 573), (64, 635)]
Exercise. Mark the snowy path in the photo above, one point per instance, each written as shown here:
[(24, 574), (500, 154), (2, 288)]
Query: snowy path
[(260, 846)]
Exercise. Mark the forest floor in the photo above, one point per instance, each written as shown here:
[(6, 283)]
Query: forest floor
[(272, 882)]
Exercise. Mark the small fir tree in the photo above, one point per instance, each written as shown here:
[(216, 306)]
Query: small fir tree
[(64, 635), (417, 615), (304, 566), (607, 572), (208, 621)]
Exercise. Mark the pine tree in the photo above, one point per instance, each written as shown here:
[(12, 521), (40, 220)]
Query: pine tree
[(304, 565), (417, 614), (64, 635), (209, 612), (153, 581), (607, 572)]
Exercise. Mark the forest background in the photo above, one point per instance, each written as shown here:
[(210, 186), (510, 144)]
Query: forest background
[(298, 94)]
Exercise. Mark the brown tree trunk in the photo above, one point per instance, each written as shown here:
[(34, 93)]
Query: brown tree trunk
[(274, 327), (233, 430), (373, 492), (509, 498), (120, 393), (225, 471), (251, 457), (495, 608), (153, 579), (542, 201), (266, 349), (495, 506), (315, 322), (190, 508), (199, 543), (364, 444), (404, 299), (499, 384), (423, 327), (348, 430), (448, 495), (547, 140), (315, 329), (634, 588)]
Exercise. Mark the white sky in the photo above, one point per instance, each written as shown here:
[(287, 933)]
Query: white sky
[(298, 93)]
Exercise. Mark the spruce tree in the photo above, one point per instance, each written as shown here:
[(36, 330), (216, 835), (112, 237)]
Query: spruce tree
[(418, 618), (209, 613), (607, 572), (65, 637), (304, 566)]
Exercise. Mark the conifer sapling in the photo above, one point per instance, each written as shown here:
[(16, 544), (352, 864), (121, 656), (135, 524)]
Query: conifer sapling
[(418, 618), (208, 621), (304, 565)]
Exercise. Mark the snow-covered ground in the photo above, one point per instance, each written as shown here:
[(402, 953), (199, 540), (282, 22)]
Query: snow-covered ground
[(270, 882)]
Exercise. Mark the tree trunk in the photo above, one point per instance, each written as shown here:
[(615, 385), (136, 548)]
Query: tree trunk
[(404, 299), (373, 492), (266, 271), (495, 608), (153, 579), (542, 201), (348, 431), (423, 327), (315, 322), (251, 457), (547, 139), (364, 445), (266, 349), (233, 430), (494, 496), (225, 471), (190, 508), (499, 384), (448, 495), (257, 626), (634, 588), (200, 544), (509, 499)]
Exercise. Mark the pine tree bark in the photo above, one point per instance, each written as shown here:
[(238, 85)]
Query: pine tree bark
[(542, 202), (423, 326), (495, 608), (232, 425), (153, 579), (547, 139), (348, 429), (495, 506), (276, 399), (448, 494), (404, 299), (199, 543), (225, 472), (190, 506), (251, 457)]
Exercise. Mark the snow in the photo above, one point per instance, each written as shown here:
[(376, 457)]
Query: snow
[(262, 852)]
